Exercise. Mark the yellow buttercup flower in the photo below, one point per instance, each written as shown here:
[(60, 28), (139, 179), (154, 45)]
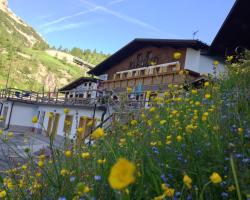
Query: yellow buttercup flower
[(161, 197), (66, 111), (206, 84), (24, 167), (122, 174), (240, 130), (101, 161), (85, 155), (204, 118), (98, 133), (162, 122), (40, 163), (10, 134), (148, 94), (81, 188), (178, 138), (133, 122), (174, 112), (187, 181), (129, 90), (42, 157), (68, 153), (197, 103), (64, 172), (1, 118), (177, 55), (34, 119), (230, 58), (166, 94), (207, 96), (194, 91), (38, 174), (169, 192), (1, 131), (152, 109), (216, 63), (215, 178), (3, 194)]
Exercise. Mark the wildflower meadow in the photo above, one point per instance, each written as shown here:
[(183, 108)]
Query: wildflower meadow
[(189, 144)]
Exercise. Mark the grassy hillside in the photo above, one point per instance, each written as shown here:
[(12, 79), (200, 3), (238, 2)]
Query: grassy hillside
[(31, 68), (17, 34), (187, 145)]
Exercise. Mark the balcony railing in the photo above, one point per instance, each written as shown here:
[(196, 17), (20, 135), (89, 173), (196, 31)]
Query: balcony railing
[(151, 81), (62, 97)]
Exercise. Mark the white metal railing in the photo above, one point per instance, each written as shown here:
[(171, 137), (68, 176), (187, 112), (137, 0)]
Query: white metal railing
[(147, 70)]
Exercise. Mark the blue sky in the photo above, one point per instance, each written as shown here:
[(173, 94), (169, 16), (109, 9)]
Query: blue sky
[(107, 25)]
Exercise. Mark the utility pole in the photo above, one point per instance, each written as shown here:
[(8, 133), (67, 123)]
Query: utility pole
[(8, 75), (10, 57)]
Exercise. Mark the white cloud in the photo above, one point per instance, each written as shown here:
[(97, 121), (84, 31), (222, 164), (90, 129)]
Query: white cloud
[(61, 19), (52, 29), (94, 7), (124, 17)]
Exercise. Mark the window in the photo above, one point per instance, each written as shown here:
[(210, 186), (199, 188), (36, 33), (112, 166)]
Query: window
[(55, 125), (87, 124)]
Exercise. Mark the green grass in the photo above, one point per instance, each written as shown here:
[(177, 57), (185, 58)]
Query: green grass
[(183, 133), (23, 70)]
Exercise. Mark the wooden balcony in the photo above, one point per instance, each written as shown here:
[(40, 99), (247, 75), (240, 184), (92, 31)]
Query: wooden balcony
[(55, 98), (152, 82)]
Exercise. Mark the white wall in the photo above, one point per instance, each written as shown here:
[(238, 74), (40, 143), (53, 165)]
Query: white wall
[(192, 59), (76, 112), (22, 114), (201, 63), (206, 65)]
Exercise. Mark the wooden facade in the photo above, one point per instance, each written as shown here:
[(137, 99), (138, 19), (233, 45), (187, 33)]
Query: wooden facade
[(151, 82), (147, 57)]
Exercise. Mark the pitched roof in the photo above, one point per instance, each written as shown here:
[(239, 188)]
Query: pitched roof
[(77, 82), (235, 30), (140, 43)]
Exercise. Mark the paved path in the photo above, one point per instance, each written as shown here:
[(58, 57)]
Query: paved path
[(12, 151)]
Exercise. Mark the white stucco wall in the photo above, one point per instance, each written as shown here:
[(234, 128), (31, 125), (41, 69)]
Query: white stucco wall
[(76, 112), (202, 63), (206, 65), (192, 59), (22, 114)]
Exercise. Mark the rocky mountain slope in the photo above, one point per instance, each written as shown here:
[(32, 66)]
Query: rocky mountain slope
[(25, 60)]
